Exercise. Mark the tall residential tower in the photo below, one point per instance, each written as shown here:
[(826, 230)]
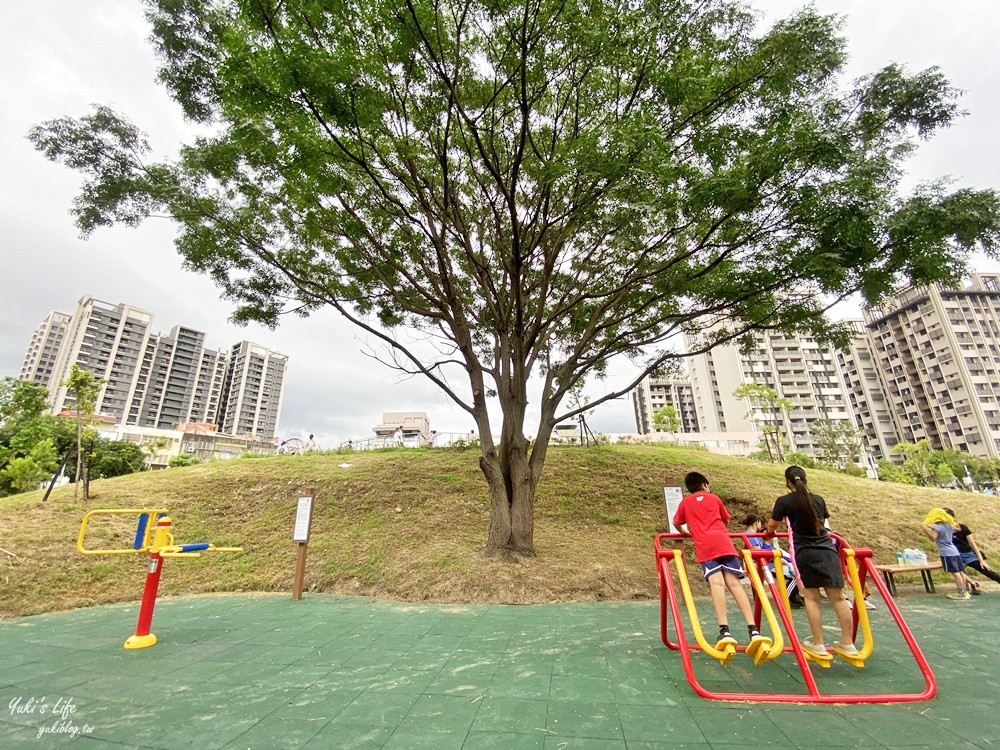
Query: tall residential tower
[(157, 380)]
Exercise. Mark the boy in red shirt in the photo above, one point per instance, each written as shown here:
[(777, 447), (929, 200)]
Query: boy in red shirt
[(705, 517)]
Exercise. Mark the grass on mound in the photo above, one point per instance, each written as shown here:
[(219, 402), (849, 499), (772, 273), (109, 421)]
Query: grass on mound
[(411, 524)]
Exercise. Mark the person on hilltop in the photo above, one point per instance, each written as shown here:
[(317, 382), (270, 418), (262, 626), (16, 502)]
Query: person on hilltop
[(816, 560), (705, 516)]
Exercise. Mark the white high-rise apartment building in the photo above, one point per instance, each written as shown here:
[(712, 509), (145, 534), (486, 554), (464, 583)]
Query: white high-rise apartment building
[(158, 380), (652, 394), (254, 385), (937, 352), (796, 367), (873, 413), (44, 349), (110, 341)]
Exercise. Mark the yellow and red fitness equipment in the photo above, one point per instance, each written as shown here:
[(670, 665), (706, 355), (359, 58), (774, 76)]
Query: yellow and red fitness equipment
[(857, 564), (153, 535)]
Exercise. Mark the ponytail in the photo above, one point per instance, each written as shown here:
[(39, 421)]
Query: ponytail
[(796, 476)]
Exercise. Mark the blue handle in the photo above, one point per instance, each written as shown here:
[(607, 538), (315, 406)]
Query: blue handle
[(140, 532), (197, 547)]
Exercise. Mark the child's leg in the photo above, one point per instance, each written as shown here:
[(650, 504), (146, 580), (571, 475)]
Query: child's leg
[(717, 585), (959, 581), (739, 596), (814, 615), (843, 611)]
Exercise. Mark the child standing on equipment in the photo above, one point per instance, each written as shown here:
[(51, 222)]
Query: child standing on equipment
[(940, 528), (754, 524), (705, 517), (816, 560)]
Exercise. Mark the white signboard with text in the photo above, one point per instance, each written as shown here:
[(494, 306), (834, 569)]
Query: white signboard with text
[(672, 497), (303, 515)]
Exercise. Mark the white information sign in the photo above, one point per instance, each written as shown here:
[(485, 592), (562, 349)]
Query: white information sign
[(672, 497), (303, 515)]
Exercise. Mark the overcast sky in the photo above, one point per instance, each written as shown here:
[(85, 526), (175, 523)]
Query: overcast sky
[(57, 57)]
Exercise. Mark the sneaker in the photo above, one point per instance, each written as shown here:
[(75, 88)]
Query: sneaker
[(869, 604), (755, 635), (815, 650), (848, 649), (960, 595)]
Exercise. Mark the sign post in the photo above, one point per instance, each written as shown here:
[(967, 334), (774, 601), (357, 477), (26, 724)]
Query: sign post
[(300, 534), (672, 497)]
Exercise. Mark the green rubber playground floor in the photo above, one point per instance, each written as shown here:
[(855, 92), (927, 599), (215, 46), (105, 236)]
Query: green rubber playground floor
[(341, 672)]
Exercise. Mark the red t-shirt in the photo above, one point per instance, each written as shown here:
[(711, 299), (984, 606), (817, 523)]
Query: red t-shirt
[(706, 517)]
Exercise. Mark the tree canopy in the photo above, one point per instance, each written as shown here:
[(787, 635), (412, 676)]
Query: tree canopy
[(510, 195)]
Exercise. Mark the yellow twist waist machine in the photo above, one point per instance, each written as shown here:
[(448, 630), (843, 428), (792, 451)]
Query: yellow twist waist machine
[(154, 535)]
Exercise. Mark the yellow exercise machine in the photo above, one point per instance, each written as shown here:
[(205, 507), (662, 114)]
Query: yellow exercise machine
[(153, 535)]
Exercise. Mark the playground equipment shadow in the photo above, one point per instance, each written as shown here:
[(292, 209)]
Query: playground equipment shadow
[(263, 671)]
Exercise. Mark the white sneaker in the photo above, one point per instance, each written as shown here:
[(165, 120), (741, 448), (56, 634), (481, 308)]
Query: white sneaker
[(869, 604), (847, 649), (815, 650)]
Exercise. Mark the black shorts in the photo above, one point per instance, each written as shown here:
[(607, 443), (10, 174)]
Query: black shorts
[(819, 568)]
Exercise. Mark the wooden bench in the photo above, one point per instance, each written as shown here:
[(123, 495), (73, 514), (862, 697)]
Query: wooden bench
[(889, 574)]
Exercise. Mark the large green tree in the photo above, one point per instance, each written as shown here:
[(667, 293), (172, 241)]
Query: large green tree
[(510, 194)]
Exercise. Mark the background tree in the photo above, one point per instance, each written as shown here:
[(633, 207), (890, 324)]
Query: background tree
[(30, 440), (766, 410), (838, 442), (85, 388), (529, 190), (916, 460), (183, 459), (151, 448), (115, 458), (20, 401), (666, 419)]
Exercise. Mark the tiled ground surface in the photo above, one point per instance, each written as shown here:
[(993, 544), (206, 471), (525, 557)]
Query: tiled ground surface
[(334, 672)]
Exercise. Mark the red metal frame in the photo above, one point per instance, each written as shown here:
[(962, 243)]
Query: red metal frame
[(668, 595)]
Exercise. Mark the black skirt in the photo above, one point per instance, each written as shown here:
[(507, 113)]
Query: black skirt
[(819, 568)]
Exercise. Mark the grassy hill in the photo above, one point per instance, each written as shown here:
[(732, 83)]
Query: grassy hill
[(410, 525)]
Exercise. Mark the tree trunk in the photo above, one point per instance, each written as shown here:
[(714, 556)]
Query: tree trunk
[(512, 500), (79, 455)]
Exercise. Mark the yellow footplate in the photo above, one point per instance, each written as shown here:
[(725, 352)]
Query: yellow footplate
[(854, 660), (824, 660), (727, 650), (758, 650)]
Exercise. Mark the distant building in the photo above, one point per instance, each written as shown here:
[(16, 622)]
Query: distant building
[(252, 391), (937, 353), (203, 441), (797, 367), (866, 393), (416, 427), (157, 380), (44, 349), (652, 394)]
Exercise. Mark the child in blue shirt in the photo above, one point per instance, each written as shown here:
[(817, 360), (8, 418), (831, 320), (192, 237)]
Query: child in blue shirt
[(940, 528)]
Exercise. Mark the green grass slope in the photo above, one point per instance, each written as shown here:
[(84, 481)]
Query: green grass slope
[(411, 524)]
